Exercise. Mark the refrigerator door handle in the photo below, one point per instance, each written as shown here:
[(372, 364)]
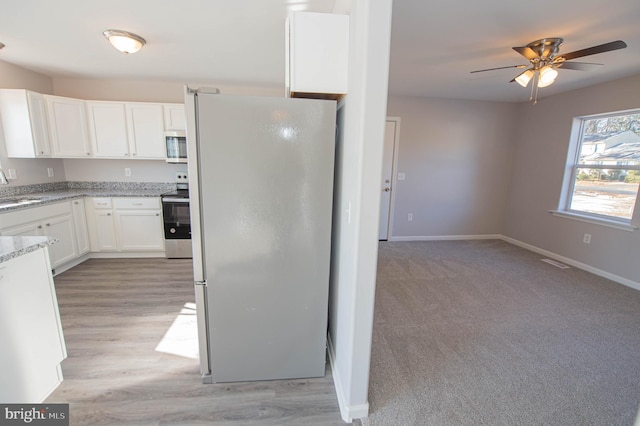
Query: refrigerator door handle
[(203, 330)]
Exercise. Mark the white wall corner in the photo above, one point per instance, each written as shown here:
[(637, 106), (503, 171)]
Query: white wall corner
[(347, 412)]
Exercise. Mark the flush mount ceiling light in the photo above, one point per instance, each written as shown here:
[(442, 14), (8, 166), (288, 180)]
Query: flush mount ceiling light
[(124, 41)]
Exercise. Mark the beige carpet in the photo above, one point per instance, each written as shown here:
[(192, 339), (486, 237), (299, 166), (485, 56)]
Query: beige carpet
[(483, 333)]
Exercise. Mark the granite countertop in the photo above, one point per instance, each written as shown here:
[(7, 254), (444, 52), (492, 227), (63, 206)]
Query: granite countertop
[(12, 247), (48, 197)]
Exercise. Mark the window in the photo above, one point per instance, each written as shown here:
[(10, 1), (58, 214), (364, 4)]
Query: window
[(603, 168)]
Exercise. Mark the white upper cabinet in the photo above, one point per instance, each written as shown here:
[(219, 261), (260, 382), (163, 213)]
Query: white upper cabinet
[(145, 127), (24, 122), (107, 124), (68, 127), (38, 125), (174, 117), (317, 55)]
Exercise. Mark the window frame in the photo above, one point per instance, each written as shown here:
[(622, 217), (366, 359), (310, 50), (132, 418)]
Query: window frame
[(571, 172)]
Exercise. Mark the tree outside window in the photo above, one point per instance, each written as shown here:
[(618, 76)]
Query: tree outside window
[(605, 170)]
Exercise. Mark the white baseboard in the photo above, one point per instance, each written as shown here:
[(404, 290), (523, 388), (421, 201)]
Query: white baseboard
[(105, 255), (608, 275), (447, 237), (66, 266), (347, 412), (125, 255)]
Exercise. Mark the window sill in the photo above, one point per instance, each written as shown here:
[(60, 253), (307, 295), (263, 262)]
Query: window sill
[(596, 221)]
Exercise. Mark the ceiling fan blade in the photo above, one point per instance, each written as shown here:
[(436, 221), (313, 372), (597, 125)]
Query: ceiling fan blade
[(526, 51), (580, 66), (607, 47), (500, 68)]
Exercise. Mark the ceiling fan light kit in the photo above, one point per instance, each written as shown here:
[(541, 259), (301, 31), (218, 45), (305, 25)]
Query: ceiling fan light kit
[(547, 76), (524, 78), (124, 41), (544, 60)]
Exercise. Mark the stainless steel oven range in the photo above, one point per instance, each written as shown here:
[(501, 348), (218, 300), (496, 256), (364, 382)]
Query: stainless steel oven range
[(177, 223)]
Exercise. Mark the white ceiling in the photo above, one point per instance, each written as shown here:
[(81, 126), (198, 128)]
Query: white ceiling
[(434, 45)]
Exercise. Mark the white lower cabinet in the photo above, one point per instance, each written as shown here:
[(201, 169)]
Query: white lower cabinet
[(30, 329), (55, 220), (102, 230), (125, 224), (80, 223)]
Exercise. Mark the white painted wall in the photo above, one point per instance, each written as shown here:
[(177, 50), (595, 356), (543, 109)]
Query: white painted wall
[(539, 159), (97, 170), (29, 171), (456, 156), (146, 90), (357, 196)]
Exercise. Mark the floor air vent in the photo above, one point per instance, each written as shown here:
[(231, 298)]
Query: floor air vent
[(555, 263)]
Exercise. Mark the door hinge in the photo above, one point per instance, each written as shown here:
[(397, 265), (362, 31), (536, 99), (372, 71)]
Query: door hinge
[(202, 283)]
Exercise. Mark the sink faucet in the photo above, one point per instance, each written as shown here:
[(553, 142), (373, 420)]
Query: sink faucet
[(3, 178)]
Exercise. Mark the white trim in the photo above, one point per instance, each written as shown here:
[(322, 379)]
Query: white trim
[(594, 220), (72, 263), (447, 237), (348, 413), (124, 255), (608, 275)]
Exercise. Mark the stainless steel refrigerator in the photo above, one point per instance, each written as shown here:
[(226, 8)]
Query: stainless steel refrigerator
[(261, 190)]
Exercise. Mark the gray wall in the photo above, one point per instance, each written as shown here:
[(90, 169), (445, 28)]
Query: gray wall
[(539, 158), (456, 157)]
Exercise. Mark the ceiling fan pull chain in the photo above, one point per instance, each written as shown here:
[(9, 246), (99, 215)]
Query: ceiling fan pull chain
[(533, 84)]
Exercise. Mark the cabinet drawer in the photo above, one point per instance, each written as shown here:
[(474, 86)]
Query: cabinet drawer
[(101, 203), (33, 214), (136, 203)]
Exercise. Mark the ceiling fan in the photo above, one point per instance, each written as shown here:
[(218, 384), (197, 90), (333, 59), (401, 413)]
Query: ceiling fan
[(544, 59)]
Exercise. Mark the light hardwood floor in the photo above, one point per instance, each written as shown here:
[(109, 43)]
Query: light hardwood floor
[(115, 312)]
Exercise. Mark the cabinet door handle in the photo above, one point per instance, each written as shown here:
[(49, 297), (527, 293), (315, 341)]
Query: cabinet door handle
[(137, 204), (108, 214), (88, 153), (39, 226), (48, 224), (157, 214)]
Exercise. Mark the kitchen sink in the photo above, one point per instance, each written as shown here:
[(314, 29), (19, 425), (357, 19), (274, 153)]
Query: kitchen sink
[(19, 201)]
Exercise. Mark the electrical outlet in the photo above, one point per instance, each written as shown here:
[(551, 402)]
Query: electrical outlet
[(410, 217), (127, 171), (181, 177), (50, 171), (586, 239), (401, 176), (11, 174)]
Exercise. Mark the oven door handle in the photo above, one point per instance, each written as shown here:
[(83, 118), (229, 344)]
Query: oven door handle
[(175, 200)]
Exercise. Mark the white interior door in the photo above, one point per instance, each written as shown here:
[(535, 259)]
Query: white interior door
[(387, 178)]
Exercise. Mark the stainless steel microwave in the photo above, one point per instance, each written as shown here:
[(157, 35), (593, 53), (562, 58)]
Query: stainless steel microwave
[(176, 143)]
